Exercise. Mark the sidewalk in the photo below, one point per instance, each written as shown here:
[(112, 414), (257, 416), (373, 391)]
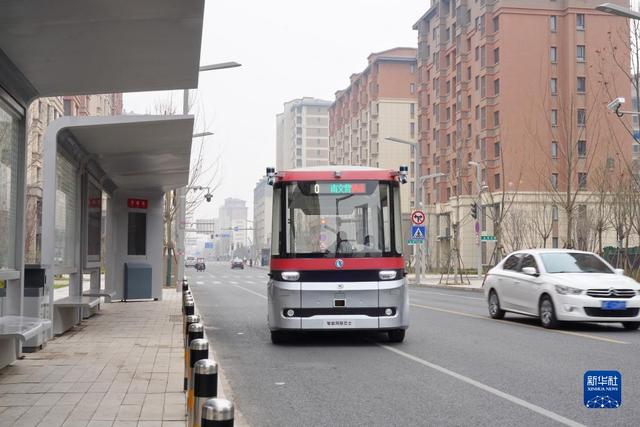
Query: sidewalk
[(473, 284), (121, 367)]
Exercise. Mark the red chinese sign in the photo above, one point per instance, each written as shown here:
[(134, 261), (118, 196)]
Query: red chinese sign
[(95, 203), (137, 203)]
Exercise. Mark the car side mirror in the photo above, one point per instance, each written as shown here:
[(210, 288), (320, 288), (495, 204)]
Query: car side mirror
[(530, 271), (619, 271)]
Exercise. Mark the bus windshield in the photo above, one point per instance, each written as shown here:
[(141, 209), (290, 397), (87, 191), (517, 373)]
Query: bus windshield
[(340, 219)]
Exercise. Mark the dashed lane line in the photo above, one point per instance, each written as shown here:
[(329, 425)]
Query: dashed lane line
[(557, 331), (513, 399)]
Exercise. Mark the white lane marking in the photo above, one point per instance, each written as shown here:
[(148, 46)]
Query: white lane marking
[(199, 283), (216, 282), (537, 328), (233, 283), (535, 408), (249, 282), (440, 293), (279, 383), (250, 291)]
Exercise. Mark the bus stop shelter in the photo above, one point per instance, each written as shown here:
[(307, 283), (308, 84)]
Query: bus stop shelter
[(71, 47), (108, 174)]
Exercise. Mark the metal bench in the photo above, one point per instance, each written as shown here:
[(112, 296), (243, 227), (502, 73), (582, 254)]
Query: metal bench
[(107, 294), (67, 311), (22, 328)]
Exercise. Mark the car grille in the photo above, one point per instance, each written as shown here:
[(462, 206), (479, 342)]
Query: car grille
[(611, 293), (598, 312)]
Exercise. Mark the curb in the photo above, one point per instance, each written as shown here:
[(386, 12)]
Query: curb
[(449, 287)]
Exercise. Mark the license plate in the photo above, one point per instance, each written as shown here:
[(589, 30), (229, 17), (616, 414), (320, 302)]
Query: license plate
[(614, 305), (337, 323)]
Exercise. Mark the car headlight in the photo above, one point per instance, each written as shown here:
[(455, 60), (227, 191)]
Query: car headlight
[(567, 290)]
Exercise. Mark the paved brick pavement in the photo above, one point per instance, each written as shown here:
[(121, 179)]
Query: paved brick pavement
[(121, 367)]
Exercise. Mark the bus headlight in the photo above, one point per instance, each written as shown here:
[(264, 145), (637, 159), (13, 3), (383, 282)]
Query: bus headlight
[(290, 313), (290, 276), (387, 274), (388, 312)]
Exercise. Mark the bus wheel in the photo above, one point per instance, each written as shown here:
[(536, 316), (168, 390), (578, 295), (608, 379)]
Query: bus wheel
[(278, 337), (396, 335)]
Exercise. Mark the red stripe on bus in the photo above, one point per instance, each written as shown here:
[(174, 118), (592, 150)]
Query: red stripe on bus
[(330, 264), (379, 175)]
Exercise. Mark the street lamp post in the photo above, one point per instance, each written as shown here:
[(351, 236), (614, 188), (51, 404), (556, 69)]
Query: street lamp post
[(614, 9), (416, 189), (479, 214), (180, 192)]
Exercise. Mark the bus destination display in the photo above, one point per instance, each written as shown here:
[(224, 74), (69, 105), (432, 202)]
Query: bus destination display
[(339, 188)]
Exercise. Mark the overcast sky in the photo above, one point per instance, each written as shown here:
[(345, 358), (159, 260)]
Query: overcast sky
[(288, 49)]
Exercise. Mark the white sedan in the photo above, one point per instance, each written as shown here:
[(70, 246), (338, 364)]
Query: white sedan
[(562, 285)]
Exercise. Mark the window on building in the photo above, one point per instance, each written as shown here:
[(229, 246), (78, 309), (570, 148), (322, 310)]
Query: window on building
[(554, 213), (412, 110), (412, 88), (477, 82), (448, 87), (496, 55), (477, 53), (447, 60), (448, 113), (553, 54), (477, 112), (496, 23), (468, 73), (580, 21), (582, 180), (483, 86), (554, 181), (496, 118), (554, 150), (580, 53), (554, 86), (412, 68), (469, 102), (611, 162), (483, 55), (483, 117), (412, 129), (554, 242), (582, 117), (496, 181), (469, 130), (581, 85), (554, 117), (496, 86), (496, 150), (582, 148), (553, 23)]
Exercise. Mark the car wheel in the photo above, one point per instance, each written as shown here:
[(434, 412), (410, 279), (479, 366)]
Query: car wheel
[(278, 337), (495, 312), (631, 326), (396, 335), (548, 313)]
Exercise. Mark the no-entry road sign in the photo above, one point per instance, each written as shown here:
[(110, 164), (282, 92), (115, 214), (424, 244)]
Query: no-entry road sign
[(418, 217)]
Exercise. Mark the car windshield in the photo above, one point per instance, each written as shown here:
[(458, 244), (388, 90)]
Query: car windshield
[(573, 262), (348, 219)]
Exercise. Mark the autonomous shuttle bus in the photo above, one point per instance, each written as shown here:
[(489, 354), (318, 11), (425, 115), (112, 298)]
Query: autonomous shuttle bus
[(336, 260)]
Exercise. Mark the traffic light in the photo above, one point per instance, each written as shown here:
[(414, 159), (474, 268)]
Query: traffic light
[(474, 210)]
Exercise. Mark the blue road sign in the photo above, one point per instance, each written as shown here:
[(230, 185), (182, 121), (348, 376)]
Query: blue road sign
[(418, 232)]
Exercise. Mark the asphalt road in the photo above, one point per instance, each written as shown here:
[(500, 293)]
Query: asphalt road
[(456, 366)]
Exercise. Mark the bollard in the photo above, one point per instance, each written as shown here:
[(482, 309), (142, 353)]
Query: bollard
[(185, 285), (198, 350), (189, 320), (194, 331), (217, 413), (205, 386), (188, 307), (186, 297)]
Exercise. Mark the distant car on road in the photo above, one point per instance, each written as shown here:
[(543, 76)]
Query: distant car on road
[(190, 261), (237, 263), (562, 285), (200, 264)]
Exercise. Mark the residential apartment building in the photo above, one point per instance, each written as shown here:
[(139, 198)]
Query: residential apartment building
[(380, 102), (42, 112), (262, 214), (302, 134), (517, 88)]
